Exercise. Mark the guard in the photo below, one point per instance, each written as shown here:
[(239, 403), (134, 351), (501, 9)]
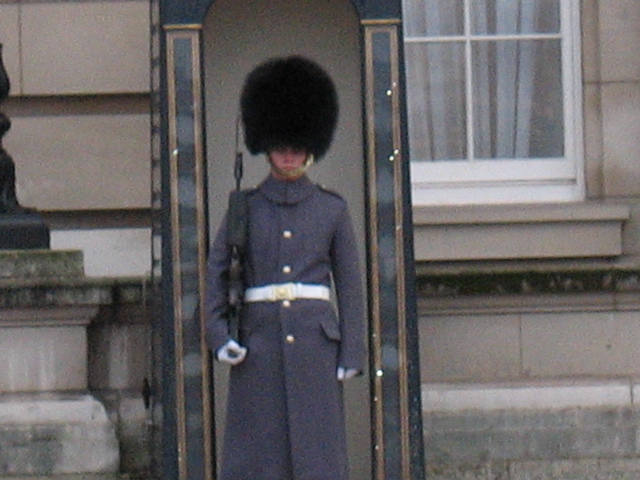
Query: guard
[(285, 415)]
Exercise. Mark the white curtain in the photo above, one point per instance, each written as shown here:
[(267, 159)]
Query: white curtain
[(514, 83), (436, 80), (503, 131)]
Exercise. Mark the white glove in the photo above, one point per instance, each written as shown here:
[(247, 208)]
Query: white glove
[(231, 353), (346, 373)]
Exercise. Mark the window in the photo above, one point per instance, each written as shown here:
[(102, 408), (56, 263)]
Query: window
[(494, 99)]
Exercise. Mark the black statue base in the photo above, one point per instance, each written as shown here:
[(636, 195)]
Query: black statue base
[(23, 231)]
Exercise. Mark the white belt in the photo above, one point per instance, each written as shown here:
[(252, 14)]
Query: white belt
[(286, 291)]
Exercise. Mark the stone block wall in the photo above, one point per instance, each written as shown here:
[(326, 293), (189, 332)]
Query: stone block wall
[(558, 430), (531, 374), (56, 435), (75, 353), (79, 102), (119, 367), (80, 112)]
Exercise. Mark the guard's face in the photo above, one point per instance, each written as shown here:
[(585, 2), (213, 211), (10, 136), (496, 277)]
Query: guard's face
[(287, 163)]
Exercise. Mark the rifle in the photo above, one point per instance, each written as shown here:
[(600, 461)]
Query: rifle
[(237, 221)]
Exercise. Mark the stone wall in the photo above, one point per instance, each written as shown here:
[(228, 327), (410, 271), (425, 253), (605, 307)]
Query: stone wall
[(75, 352), (552, 430), (119, 372), (576, 469), (529, 371)]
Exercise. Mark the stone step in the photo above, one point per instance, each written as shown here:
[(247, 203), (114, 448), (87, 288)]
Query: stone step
[(84, 476), (530, 395), (552, 430), (78, 476), (61, 435)]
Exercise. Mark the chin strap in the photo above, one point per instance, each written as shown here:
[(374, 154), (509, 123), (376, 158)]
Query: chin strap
[(298, 172)]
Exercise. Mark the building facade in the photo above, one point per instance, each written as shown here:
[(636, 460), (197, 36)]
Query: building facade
[(527, 261)]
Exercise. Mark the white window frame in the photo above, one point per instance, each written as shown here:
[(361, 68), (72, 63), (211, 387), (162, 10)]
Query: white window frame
[(523, 180)]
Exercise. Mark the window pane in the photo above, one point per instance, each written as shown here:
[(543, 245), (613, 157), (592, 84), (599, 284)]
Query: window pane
[(436, 101), (504, 17), (433, 17), (517, 108)]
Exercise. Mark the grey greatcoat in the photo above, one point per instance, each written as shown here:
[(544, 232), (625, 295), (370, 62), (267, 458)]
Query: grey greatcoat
[(285, 416)]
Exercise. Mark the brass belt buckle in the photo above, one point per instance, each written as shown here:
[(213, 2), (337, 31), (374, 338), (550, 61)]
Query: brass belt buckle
[(284, 292)]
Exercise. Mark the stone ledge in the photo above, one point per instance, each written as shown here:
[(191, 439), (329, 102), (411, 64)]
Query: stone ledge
[(519, 213), (90, 476), (541, 395), (42, 264), (31, 293), (498, 232), (23, 409), (472, 279), (51, 317)]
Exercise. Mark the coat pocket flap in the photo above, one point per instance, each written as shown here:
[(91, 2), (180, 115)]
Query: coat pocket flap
[(331, 329)]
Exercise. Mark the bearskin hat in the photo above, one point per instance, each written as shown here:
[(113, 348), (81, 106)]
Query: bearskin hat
[(289, 101)]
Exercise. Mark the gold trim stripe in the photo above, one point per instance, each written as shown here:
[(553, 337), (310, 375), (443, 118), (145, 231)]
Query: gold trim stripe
[(374, 22), (376, 321), (183, 26), (200, 172), (400, 258), (193, 36), (177, 274), (389, 29)]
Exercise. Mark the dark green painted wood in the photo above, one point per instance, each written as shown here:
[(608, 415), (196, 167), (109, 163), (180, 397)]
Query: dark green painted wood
[(184, 12)]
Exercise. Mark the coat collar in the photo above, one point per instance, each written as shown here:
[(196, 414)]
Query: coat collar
[(286, 192)]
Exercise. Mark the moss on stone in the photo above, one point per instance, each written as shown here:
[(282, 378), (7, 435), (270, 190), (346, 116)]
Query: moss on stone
[(43, 264)]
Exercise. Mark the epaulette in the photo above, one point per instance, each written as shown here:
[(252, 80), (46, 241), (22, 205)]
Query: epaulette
[(328, 190)]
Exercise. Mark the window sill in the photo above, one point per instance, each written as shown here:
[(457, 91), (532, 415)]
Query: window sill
[(512, 232)]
